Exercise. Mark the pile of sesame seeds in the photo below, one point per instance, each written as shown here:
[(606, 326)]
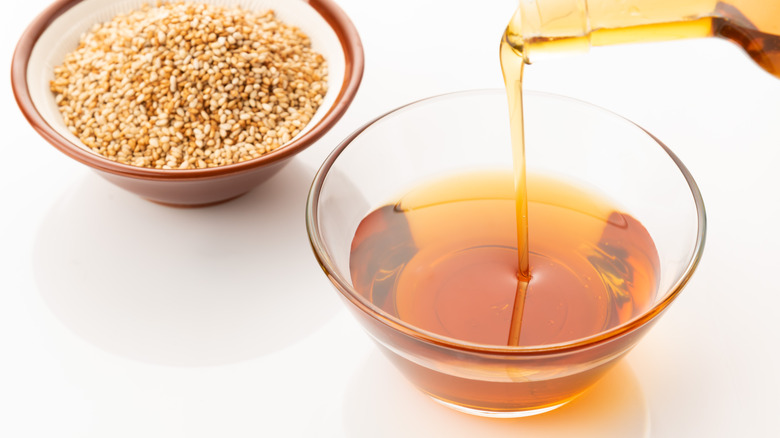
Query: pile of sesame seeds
[(188, 85)]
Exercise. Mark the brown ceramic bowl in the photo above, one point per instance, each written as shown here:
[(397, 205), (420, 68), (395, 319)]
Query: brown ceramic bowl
[(56, 31)]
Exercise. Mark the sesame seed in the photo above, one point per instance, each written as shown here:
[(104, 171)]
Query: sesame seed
[(183, 85)]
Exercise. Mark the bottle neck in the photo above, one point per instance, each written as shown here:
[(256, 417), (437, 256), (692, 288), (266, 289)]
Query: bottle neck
[(550, 26)]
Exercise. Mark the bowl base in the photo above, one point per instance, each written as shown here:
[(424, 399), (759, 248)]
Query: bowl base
[(206, 204), (498, 414)]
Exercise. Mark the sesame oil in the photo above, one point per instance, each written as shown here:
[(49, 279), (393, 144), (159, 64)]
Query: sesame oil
[(444, 258), (438, 270)]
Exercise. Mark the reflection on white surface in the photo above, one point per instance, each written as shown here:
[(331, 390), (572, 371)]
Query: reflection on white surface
[(379, 402), (183, 287)]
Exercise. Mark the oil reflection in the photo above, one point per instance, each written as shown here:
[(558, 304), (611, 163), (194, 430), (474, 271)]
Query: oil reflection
[(185, 287), (379, 402)]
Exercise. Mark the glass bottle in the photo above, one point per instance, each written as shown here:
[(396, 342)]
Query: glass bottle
[(550, 26)]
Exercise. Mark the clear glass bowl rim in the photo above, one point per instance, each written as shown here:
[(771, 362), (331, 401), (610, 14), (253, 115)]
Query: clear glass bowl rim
[(343, 286)]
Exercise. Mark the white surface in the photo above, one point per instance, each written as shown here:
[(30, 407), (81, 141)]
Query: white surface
[(121, 318)]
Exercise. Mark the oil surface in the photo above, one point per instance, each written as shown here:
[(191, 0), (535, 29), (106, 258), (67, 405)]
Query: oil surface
[(444, 258)]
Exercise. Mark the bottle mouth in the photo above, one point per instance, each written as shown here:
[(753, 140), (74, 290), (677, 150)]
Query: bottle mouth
[(550, 28), (513, 35)]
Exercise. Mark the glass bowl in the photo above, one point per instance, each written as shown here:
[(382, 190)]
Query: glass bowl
[(469, 131)]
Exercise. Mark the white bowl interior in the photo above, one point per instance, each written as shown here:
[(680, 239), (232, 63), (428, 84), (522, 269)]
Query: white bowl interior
[(63, 34)]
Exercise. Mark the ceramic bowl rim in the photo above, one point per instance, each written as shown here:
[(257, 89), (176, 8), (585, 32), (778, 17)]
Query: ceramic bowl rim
[(354, 61)]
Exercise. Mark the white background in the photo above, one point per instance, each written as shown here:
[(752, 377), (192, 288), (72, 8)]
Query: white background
[(122, 318)]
